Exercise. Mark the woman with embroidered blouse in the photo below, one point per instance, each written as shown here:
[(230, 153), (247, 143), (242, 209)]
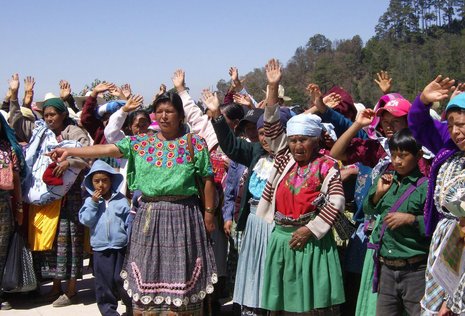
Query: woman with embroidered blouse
[(304, 197), (169, 266)]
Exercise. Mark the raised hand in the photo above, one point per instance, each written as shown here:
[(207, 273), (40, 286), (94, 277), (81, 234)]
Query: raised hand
[(243, 99), (365, 117), (273, 72), (332, 100), (133, 103), (211, 101), (65, 89), (117, 92), (29, 83), (126, 89), (314, 91), (236, 83), (178, 79), (13, 83), (102, 87), (437, 90), (161, 90), (384, 81), (234, 73), (459, 89)]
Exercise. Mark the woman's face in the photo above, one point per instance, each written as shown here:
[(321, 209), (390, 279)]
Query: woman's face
[(53, 118), (262, 139), (140, 124), (303, 148), (392, 124), (168, 118), (456, 126)]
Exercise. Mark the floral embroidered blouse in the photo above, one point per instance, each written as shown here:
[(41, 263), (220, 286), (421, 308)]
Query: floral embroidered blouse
[(160, 168), (300, 187)]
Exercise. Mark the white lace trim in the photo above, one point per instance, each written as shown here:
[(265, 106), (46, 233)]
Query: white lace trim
[(159, 299)]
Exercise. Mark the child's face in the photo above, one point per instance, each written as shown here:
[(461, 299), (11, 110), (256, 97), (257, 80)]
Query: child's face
[(101, 182), (404, 162)]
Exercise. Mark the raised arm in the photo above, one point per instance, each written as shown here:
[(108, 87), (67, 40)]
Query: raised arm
[(274, 131), (339, 149), (237, 149), (66, 96), (324, 108), (113, 130), (199, 122), (22, 126), (88, 119), (429, 132)]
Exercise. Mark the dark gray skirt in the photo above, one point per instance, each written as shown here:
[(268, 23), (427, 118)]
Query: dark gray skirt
[(169, 262)]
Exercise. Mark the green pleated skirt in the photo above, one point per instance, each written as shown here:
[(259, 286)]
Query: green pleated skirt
[(304, 280)]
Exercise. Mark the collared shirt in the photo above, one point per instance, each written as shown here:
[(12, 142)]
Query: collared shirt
[(408, 240)]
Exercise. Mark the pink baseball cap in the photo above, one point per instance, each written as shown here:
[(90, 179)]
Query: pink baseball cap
[(397, 107)]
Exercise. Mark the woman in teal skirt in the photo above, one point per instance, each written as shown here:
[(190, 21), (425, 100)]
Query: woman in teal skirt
[(304, 197)]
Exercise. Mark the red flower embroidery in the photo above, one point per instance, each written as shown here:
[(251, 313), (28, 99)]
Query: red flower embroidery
[(159, 163), (151, 150), (149, 158), (169, 164), (170, 155)]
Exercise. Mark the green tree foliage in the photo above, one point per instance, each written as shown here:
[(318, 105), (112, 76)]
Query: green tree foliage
[(415, 41)]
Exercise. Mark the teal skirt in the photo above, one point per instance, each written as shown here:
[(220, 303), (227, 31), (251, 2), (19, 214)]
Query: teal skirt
[(300, 281)]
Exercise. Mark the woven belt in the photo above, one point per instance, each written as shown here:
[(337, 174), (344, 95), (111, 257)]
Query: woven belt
[(164, 198), (402, 263)]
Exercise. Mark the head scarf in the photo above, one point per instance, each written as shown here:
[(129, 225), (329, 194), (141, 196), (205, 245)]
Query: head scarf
[(57, 103), (304, 124), (346, 107)]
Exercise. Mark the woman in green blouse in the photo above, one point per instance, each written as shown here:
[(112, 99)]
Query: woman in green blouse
[(169, 265)]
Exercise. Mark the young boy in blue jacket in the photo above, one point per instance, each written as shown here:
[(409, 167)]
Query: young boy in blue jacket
[(105, 212)]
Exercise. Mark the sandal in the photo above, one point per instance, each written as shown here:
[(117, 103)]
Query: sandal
[(64, 300)]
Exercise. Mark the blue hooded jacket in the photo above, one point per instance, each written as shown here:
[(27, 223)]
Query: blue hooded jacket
[(107, 223)]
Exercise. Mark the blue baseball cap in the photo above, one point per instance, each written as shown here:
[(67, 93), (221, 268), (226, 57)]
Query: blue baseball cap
[(457, 102)]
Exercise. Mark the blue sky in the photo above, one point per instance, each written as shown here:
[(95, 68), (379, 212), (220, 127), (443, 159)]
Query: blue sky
[(143, 42)]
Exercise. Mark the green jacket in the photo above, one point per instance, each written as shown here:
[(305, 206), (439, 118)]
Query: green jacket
[(243, 152), (409, 240)]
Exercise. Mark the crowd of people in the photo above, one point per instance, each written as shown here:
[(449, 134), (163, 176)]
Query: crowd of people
[(328, 208)]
